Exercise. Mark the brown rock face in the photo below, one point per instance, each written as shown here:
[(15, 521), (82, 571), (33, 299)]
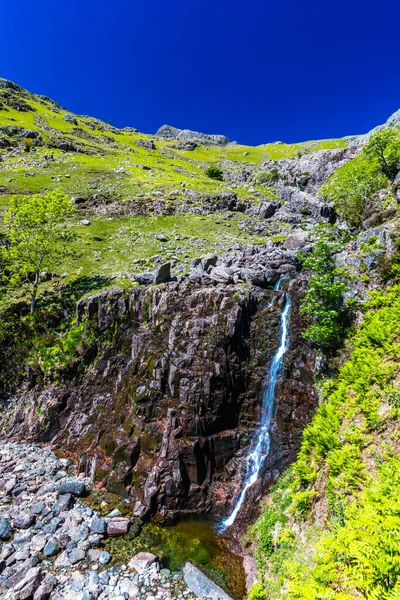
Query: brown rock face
[(166, 412)]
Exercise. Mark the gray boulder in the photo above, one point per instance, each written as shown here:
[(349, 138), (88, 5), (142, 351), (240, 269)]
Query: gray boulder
[(144, 278), (173, 133), (99, 526), (201, 585), (5, 529), (24, 520), (70, 119), (76, 488), (162, 273), (223, 274)]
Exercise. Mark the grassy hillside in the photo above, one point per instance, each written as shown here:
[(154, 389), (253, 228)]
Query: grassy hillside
[(92, 159)]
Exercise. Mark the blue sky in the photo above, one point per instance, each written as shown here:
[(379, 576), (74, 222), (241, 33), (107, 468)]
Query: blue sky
[(255, 70)]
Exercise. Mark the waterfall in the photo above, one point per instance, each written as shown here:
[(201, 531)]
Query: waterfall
[(261, 442)]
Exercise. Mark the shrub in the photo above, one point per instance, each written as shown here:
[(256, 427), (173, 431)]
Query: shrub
[(28, 143), (323, 301), (268, 177), (215, 172)]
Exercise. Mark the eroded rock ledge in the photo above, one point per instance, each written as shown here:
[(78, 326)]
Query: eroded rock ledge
[(165, 413)]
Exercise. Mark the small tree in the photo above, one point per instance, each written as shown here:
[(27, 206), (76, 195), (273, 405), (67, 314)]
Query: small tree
[(352, 185), (36, 229), (215, 173), (384, 145), (323, 302)]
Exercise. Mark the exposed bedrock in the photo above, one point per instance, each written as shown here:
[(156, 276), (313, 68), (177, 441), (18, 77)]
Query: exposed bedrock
[(166, 412)]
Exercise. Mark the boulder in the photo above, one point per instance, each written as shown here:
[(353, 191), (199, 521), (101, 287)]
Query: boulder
[(45, 588), (142, 561), (144, 278), (268, 209), (5, 529), (223, 274), (70, 119), (201, 585), (24, 520), (117, 526), (99, 526), (76, 488), (162, 273)]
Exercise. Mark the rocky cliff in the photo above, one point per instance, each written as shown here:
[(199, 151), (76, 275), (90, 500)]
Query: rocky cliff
[(165, 413)]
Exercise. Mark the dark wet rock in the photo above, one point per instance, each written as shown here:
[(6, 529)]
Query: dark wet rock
[(162, 273), (5, 529), (76, 488)]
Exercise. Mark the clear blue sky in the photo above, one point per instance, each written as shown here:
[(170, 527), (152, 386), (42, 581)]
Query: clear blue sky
[(255, 70)]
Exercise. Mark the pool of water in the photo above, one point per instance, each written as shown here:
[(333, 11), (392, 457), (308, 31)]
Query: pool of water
[(174, 544), (196, 541)]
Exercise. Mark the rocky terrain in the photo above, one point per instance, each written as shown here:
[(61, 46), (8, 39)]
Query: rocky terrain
[(146, 361), (52, 542)]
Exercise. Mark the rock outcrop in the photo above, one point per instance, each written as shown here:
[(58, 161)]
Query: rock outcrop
[(166, 412), (186, 135)]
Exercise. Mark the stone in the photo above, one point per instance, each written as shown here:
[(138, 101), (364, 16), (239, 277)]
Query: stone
[(162, 273), (86, 222), (25, 588), (126, 586), (38, 542), (99, 526), (201, 585), (24, 520), (117, 526), (142, 561), (144, 278), (76, 555), (45, 588), (51, 548), (104, 558), (76, 488), (223, 274), (271, 277), (70, 119), (5, 529), (65, 502), (268, 209), (37, 508)]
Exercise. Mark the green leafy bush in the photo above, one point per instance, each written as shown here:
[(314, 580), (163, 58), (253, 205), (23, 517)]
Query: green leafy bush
[(268, 177), (352, 185), (323, 302), (215, 172)]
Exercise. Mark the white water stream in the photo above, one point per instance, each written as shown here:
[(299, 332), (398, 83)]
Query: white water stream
[(261, 442)]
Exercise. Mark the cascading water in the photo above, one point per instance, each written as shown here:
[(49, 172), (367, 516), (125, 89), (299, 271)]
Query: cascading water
[(261, 441)]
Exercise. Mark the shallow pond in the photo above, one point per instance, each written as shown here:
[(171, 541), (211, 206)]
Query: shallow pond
[(196, 541), (174, 544)]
